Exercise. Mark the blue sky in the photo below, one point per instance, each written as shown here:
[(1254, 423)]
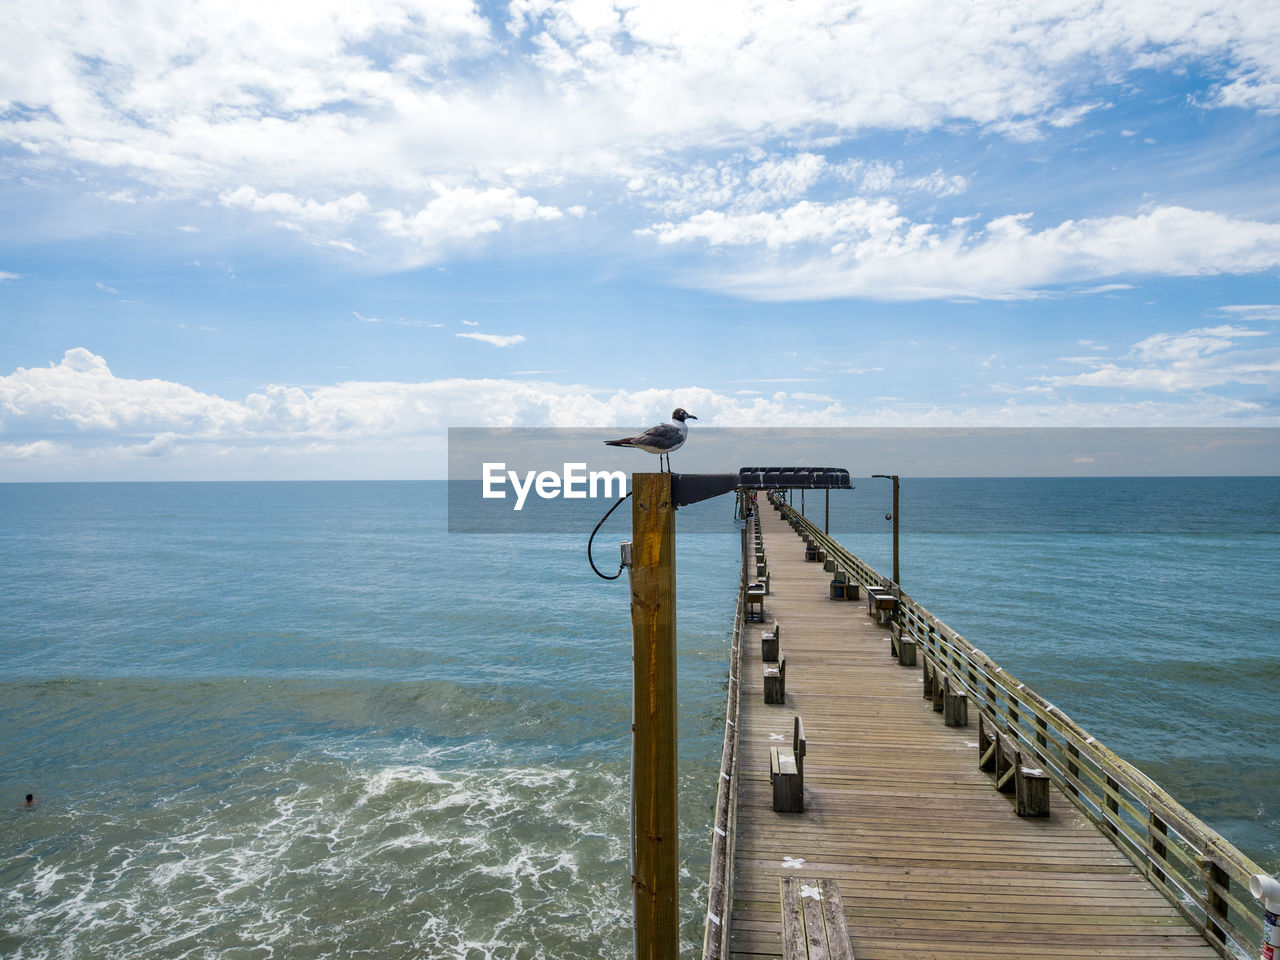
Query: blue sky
[(253, 241)]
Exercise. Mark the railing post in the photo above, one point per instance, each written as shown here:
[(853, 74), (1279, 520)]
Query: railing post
[(1073, 768), (1042, 738), (1218, 878), (1157, 832), (1112, 803)]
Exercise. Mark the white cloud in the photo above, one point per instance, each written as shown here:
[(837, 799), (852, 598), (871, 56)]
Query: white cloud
[(875, 251), (81, 395), (497, 340), (845, 222), (463, 213), (1252, 311), (399, 321), (374, 106), (76, 419), (341, 210), (753, 182), (1191, 361), (6, 275)]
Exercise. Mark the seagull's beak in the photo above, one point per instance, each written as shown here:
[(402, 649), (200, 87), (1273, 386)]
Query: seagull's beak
[(690, 416)]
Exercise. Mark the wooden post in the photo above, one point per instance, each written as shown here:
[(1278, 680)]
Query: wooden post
[(653, 630), (1157, 831), (1112, 801), (897, 576), (906, 652), (1217, 902), (955, 708)]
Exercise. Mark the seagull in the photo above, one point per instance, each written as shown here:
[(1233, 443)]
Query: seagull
[(661, 439)]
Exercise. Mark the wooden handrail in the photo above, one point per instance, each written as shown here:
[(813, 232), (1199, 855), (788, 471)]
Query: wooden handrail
[(715, 937)]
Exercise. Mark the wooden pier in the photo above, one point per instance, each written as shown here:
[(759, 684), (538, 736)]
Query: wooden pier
[(903, 831)]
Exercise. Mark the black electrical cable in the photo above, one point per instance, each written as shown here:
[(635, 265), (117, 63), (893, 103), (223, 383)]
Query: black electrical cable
[(593, 536)]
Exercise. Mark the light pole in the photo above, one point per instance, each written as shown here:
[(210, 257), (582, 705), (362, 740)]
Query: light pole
[(894, 516)]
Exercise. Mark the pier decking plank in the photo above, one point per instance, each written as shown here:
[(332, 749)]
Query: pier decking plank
[(931, 861)]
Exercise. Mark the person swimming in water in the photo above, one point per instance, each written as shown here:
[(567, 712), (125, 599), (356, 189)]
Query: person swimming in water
[(30, 801)]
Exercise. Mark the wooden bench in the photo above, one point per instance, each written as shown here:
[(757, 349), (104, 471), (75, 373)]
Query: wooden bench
[(881, 603), (952, 704), (771, 643), (900, 647), (1000, 755), (775, 680), (786, 772), (838, 585), (755, 601), (813, 922)]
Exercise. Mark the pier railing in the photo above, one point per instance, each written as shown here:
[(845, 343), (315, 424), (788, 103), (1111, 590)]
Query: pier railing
[(715, 939), (1202, 874)]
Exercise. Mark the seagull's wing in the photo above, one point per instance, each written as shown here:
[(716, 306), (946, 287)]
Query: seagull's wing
[(663, 436)]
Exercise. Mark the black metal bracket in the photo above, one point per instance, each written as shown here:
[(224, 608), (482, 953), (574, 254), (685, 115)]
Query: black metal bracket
[(687, 488)]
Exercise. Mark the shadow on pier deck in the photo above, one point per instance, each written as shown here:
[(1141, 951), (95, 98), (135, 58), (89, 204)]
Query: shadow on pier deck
[(930, 860)]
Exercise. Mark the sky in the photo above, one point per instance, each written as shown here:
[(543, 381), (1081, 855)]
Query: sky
[(301, 241)]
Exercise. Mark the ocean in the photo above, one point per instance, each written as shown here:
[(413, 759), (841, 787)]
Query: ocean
[(295, 720)]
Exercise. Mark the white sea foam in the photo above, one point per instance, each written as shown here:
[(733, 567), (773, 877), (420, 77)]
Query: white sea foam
[(413, 859)]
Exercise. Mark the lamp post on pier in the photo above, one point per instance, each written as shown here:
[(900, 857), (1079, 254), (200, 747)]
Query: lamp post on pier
[(894, 516)]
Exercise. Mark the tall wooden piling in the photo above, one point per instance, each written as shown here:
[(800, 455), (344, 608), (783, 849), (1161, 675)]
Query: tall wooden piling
[(655, 885)]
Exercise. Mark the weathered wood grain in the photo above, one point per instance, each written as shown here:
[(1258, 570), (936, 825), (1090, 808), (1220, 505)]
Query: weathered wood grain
[(931, 861)]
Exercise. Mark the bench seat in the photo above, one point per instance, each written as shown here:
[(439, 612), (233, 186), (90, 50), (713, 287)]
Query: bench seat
[(813, 921), (775, 680), (786, 772), (770, 643), (880, 604), (1000, 755)]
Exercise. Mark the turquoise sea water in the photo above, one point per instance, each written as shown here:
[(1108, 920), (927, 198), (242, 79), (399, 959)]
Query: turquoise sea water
[(302, 720)]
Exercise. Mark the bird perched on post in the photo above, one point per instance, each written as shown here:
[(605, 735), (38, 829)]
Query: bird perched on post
[(661, 439)]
